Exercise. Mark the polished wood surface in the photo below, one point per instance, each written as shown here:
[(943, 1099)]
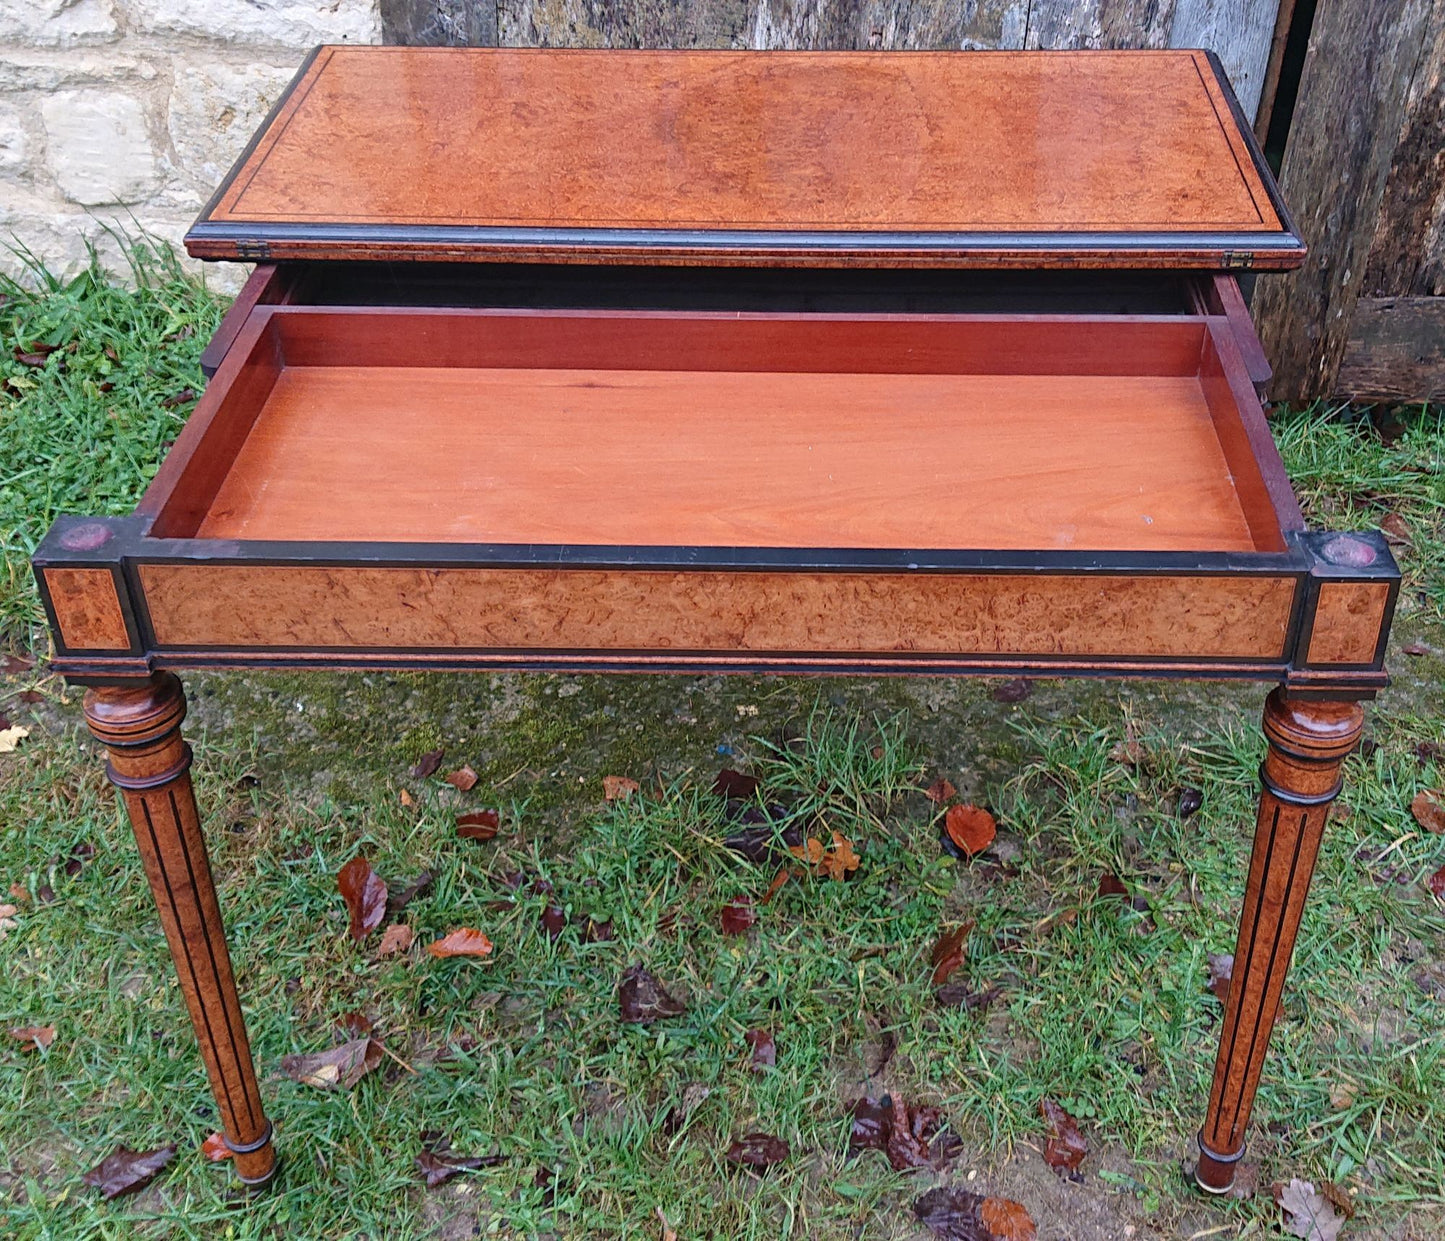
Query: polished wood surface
[(314, 607), (87, 609), (1348, 621), (140, 726), (674, 430), (394, 141), (1307, 743)]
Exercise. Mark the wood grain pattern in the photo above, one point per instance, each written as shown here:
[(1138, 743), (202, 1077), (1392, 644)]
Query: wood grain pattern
[(1395, 350), (1347, 120), (1348, 620), (1307, 743), (140, 723), (1130, 142), (87, 609), (302, 606)]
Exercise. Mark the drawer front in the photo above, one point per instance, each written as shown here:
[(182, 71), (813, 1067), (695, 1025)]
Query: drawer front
[(328, 608)]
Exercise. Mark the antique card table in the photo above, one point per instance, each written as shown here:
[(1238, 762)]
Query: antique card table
[(930, 364)]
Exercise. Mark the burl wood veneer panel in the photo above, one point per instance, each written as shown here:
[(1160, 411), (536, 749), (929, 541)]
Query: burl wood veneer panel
[(87, 609), (1022, 142), (1348, 620), (241, 606), (733, 459)]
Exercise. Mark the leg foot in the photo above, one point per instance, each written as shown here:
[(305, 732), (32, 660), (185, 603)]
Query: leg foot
[(1308, 740), (140, 725)]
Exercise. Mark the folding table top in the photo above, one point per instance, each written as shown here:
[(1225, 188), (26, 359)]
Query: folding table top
[(965, 159)]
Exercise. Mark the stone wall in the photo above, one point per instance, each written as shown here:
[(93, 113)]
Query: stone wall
[(126, 113)]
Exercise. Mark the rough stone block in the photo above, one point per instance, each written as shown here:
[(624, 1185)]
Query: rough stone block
[(291, 23), (99, 150), (14, 141), (59, 23), (215, 109)]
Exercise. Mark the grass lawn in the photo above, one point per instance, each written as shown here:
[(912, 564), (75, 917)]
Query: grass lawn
[(605, 1127)]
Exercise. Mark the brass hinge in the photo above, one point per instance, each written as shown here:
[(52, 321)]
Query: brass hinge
[(253, 251), (1236, 260)]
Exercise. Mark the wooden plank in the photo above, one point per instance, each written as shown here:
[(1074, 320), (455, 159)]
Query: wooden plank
[(1134, 158), (1357, 76), (1239, 32), (1407, 258), (306, 607), (1395, 350)]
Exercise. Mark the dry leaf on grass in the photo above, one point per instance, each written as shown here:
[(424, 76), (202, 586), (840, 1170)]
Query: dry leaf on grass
[(465, 941), (124, 1171), (642, 999), (364, 892), (1065, 1147), (955, 1214), (438, 1166), (426, 766), (1307, 1213), (765, 1050), (215, 1149), (479, 825), (737, 915), (734, 785), (1015, 690), (615, 787), (968, 829), (1437, 884), (948, 952), (1190, 800), (835, 863), (757, 1151), (342, 1066), (940, 791), (33, 1038), (406, 798), (1428, 807), (910, 1135), (462, 779), (10, 738), (1221, 973), (396, 938)]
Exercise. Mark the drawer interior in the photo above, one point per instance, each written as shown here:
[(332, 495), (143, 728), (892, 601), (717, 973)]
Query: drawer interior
[(693, 428)]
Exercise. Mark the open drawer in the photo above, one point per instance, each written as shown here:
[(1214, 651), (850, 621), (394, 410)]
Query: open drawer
[(608, 488)]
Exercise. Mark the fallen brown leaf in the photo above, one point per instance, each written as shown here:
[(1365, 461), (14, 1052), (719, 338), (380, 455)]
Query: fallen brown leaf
[(439, 1166), (809, 852), (342, 1066), (463, 779), (124, 1171), (1307, 1213), (615, 787), (955, 1214), (1417, 649), (757, 1151), (11, 663), (737, 916), (215, 1149), (948, 952), (554, 921), (960, 995), (1013, 691), (642, 999), (773, 888), (693, 1095), (840, 861), (1064, 1146), (911, 1135), (365, 895), (1396, 530), (1221, 972), (765, 1050), (971, 829), (184, 397), (428, 764), (407, 799), (397, 901), (1130, 751), (463, 942), (1428, 807), (1437, 883), (396, 938), (1190, 800), (734, 784), (479, 825), (940, 791), (33, 1038)]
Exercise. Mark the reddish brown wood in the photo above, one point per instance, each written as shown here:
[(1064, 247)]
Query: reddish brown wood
[(265, 286), (1347, 623), (87, 609), (761, 430), (372, 143), (1308, 740), (140, 725), (237, 606)]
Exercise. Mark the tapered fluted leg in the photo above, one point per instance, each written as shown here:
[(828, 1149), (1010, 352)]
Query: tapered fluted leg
[(1308, 740), (140, 725)]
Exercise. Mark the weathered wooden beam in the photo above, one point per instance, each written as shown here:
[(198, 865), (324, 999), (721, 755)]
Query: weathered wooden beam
[(1395, 350), (1363, 58)]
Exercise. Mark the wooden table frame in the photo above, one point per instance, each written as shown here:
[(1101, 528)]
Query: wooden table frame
[(1211, 575)]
